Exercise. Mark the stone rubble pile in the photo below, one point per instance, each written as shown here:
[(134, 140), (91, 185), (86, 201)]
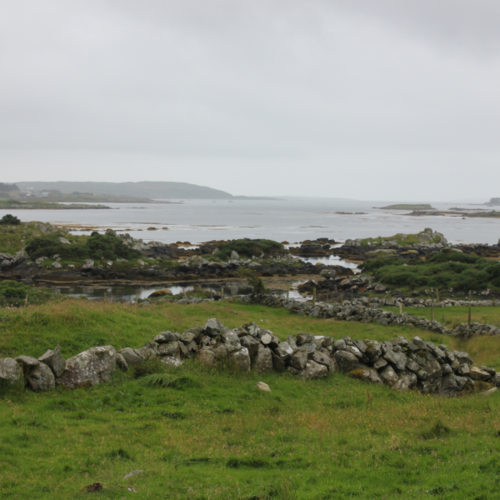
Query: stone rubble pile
[(357, 311), (399, 363)]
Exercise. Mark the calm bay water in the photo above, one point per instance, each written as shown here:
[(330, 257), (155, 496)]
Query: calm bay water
[(289, 219)]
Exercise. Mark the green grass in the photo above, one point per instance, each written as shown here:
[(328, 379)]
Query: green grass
[(209, 433)]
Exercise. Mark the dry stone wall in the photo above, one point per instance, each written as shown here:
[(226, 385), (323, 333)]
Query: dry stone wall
[(399, 363), (356, 311)]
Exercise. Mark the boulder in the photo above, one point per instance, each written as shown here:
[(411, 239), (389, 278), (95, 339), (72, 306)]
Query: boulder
[(220, 352), (11, 375), (284, 351), (41, 379), (231, 341), (366, 374), (478, 374), (321, 358), (54, 360), (305, 338), (171, 349), (90, 367), (266, 339), (121, 363), (213, 327), (251, 343), (313, 370), (397, 359), (241, 360), (403, 384), (190, 335), (278, 363), (346, 361), (388, 375), (166, 337), (263, 361), (206, 357), (299, 359), (131, 356)]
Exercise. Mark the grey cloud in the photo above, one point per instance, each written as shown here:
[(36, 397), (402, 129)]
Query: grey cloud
[(320, 82)]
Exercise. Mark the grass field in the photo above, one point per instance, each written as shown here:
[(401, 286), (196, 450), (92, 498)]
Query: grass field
[(211, 434)]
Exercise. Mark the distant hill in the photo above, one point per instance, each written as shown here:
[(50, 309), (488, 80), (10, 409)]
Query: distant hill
[(158, 190)]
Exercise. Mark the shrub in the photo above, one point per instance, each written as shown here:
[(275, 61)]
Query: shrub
[(9, 220), (97, 246), (247, 247), (14, 293)]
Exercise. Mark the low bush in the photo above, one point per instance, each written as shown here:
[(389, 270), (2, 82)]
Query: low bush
[(248, 248), (447, 269), (9, 220), (15, 294), (97, 246)]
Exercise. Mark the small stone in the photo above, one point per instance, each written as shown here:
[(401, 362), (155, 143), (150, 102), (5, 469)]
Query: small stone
[(263, 387), (54, 360)]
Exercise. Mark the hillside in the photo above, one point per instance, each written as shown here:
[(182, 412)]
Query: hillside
[(158, 190)]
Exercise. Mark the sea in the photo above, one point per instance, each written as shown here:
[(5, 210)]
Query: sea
[(288, 219)]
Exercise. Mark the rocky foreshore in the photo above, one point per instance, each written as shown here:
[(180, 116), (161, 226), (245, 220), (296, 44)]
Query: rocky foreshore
[(398, 363)]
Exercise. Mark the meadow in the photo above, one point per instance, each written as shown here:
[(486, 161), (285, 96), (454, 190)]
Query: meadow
[(210, 433)]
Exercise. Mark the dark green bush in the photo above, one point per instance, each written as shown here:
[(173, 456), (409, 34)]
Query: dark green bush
[(447, 269), (97, 246), (247, 247), (9, 220)]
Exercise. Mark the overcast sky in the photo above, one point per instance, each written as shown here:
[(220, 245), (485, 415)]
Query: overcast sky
[(365, 99)]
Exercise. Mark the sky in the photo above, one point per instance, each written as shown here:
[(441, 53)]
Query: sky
[(362, 99)]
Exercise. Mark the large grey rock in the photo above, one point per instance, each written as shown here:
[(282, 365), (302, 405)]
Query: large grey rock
[(167, 337), (284, 351), (397, 359), (220, 352), (419, 343), (428, 363), (231, 341), (41, 379), (478, 374), (54, 360), (380, 363), (28, 364), (389, 376), (121, 362), (266, 339), (251, 343), (462, 357), (90, 367), (313, 370), (299, 359), (213, 327), (321, 358), (263, 360), (367, 375), (89, 264), (11, 375), (292, 343), (278, 363), (333, 367), (304, 338), (206, 357), (241, 360), (190, 335), (172, 349), (131, 356), (403, 384), (346, 361)]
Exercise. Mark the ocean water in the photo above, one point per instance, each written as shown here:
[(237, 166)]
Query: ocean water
[(291, 219)]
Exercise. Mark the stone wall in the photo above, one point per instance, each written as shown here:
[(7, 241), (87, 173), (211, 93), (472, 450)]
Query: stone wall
[(399, 363), (357, 311)]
